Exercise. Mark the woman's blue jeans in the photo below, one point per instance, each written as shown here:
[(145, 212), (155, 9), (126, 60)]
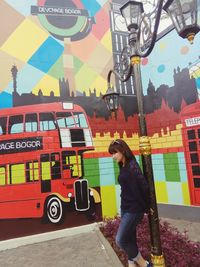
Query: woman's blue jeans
[(126, 234)]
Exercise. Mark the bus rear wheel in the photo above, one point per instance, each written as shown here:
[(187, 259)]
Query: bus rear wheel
[(54, 210)]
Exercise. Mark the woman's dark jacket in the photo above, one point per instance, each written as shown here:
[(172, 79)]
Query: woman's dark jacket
[(134, 188)]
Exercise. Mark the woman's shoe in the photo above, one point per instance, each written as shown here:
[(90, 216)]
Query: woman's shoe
[(149, 264)]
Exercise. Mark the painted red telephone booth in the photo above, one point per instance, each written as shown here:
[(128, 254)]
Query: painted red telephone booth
[(190, 118)]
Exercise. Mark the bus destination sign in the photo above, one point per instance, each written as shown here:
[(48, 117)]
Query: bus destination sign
[(21, 145)]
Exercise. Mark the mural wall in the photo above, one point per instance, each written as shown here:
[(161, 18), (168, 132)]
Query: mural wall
[(55, 128)]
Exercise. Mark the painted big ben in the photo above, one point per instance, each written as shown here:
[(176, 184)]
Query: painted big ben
[(119, 41)]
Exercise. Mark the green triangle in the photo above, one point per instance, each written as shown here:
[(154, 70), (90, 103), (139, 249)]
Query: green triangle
[(77, 64), (57, 69)]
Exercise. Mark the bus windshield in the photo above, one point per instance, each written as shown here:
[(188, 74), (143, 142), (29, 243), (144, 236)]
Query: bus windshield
[(71, 120), (80, 120)]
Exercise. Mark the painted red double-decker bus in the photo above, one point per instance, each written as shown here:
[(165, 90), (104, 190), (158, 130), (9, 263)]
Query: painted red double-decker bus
[(41, 161)]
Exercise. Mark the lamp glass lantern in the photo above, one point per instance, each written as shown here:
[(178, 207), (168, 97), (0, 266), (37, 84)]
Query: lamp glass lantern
[(132, 13), (184, 15), (111, 99)]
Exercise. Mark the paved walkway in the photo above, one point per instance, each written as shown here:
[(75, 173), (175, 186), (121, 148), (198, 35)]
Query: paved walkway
[(83, 246), (71, 249), (192, 228)]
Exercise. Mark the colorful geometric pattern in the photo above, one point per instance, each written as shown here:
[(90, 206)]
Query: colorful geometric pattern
[(38, 55), (46, 55), (170, 179)]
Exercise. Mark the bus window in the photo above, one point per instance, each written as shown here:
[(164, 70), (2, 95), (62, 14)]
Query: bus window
[(3, 122), (31, 124), (47, 122), (36, 170), (16, 124), (80, 120), (65, 120), (2, 175), (55, 166), (77, 137), (76, 161), (45, 167), (71, 161), (17, 174), (32, 171)]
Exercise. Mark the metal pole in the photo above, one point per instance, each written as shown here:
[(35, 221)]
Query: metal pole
[(145, 150)]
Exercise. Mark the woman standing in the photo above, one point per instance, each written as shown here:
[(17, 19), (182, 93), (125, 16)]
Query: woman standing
[(134, 201)]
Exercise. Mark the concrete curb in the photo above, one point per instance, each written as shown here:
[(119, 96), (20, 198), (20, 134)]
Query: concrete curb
[(110, 253)]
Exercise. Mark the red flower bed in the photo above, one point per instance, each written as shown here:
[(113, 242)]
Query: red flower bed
[(178, 250)]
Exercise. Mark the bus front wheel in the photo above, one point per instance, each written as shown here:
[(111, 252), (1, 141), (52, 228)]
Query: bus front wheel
[(54, 210)]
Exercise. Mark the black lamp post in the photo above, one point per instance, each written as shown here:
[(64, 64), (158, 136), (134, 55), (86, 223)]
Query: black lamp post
[(142, 37)]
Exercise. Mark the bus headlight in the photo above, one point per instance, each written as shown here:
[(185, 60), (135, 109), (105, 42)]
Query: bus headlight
[(91, 193), (69, 194)]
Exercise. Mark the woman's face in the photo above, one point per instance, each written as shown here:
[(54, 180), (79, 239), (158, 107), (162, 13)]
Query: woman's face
[(118, 156)]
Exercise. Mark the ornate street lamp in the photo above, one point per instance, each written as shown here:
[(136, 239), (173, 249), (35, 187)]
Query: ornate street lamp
[(142, 37), (112, 99), (184, 15)]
